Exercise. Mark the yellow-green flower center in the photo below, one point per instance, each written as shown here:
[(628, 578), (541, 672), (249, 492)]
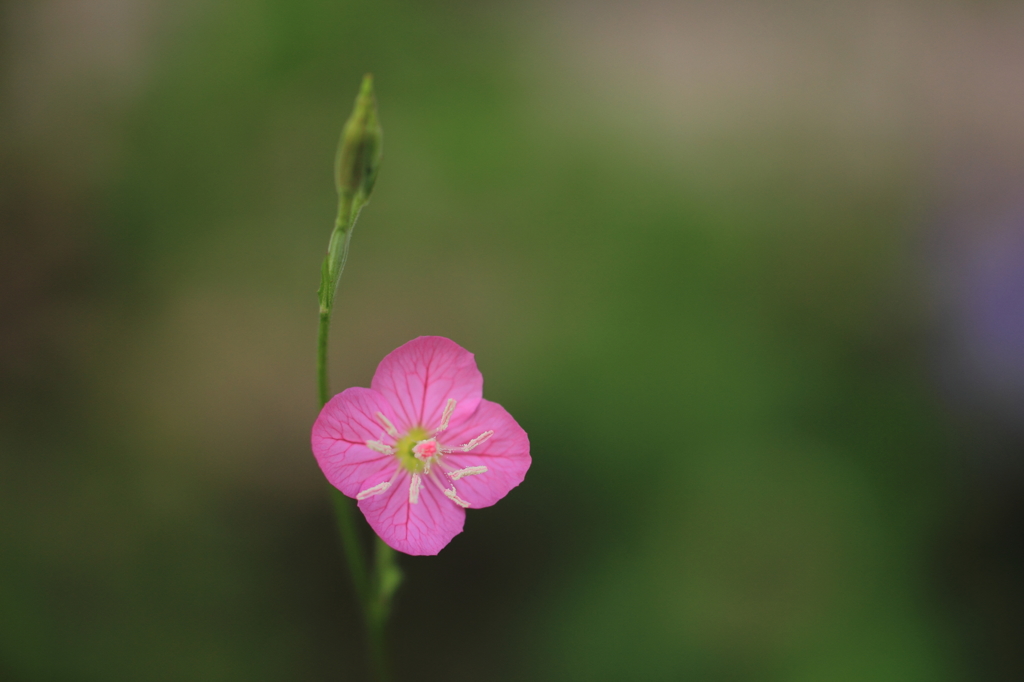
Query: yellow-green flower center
[(403, 450)]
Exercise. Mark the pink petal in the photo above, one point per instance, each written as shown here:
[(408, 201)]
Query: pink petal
[(420, 376), (339, 438), (424, 528), (506, 454)]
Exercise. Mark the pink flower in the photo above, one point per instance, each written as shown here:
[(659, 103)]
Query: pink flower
[(421, 445)]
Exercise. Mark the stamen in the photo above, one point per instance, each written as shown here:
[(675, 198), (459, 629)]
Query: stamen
[(392, 431), (477, 441), (468, 471), (377, 446), (449, 408), (375, 490), (450, 494), (414, 489)]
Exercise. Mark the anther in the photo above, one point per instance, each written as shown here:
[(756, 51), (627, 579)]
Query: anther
[(450, 494), (392, 431), (449, 408), (477, 441), (375, 490), (377, 446), (414, 489), (468, 471)]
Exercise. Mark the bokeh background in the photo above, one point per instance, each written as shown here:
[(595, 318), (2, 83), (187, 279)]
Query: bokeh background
[(751, 275)]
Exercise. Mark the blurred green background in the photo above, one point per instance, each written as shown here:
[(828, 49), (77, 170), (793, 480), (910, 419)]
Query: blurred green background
[(691, 245)]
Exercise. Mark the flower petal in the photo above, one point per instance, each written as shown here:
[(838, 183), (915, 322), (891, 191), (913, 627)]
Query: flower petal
[(339, 438), (424, 528), (506, 454), (419, 377)]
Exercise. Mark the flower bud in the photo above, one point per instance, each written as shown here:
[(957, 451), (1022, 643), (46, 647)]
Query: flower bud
[(360, 147)]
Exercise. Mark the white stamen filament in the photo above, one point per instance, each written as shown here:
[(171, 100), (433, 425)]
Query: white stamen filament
[(468, 471), (450, 494), (477, 441), (377, 446), (392, 431), (449, 408), (414, 489), (375, 490)]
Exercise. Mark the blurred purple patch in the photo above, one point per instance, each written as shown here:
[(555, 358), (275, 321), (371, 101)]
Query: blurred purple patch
[(982, 303)]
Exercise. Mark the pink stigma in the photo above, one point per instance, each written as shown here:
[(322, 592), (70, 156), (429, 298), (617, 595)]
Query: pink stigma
[(425, 449)]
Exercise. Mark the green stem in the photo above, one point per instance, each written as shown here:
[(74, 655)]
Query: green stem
[(385, 581), (355, 172), (374, 590), (322, 381), (342, 505), (350, 543)]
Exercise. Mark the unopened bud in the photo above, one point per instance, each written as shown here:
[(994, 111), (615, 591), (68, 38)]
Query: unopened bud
[(360, 147)]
